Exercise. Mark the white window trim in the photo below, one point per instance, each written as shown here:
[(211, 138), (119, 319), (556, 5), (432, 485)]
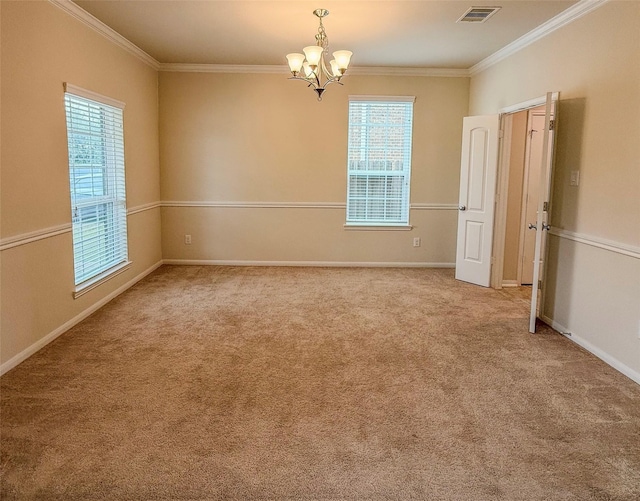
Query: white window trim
[(389, 99), (377, 226), (94, 96), (105, 276)]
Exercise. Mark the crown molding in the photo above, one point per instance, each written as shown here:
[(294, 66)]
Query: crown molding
[(113, 36), (409, 72), (283, 70), (574, 12), (224, 68)]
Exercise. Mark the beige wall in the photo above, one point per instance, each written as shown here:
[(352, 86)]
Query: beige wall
[(259, 138), (42, 47), (594, 63)]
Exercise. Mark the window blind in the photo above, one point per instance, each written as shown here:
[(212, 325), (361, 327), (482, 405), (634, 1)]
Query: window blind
[(379, 160), (97, 183)]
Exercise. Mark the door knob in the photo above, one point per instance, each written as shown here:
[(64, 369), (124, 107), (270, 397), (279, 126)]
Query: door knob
[(546, 226), (532, 226), (462, 207)]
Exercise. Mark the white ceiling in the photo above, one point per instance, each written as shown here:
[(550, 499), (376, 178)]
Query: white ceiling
[(421, 34)]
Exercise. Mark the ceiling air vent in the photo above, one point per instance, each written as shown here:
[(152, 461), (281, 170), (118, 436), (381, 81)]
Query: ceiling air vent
[(478, 14)]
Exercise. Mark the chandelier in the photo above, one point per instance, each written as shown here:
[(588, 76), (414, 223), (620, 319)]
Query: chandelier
[(311, 67)]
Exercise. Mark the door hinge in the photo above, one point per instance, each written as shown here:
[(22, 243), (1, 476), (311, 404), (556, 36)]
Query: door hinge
[(552, 125), (545, 207), (500, 134), (540, 284)]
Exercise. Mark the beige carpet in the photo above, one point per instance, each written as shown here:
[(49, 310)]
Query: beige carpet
[(299, 383)]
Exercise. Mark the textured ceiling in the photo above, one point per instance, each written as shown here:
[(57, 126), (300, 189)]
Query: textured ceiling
[(421, 34)]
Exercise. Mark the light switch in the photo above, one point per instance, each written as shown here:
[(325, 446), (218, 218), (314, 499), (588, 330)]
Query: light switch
[(575, 178)]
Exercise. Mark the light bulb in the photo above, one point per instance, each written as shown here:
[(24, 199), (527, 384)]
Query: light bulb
[(313, 53), (334, 68), (295, 62), (342, 58), (308, 70)]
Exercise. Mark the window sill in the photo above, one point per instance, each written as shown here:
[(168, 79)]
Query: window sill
[(378, 227), (103, 277)]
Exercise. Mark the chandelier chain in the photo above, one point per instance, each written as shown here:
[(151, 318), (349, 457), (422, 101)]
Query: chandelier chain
[(321, 38)]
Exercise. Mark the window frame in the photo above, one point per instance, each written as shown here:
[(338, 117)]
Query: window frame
[(103, 197), (382, 223)]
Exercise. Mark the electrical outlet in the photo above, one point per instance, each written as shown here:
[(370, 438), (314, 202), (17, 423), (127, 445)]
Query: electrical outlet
[(575, 178), (416, 242), (187, 239)]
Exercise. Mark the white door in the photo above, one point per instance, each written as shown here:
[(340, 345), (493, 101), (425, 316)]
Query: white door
[(478, 172), (544, 206)]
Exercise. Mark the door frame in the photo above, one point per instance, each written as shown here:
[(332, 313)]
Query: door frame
[(504, 153), (531, 113)]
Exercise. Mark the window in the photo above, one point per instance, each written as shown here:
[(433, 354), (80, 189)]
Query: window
[(96, 174), (379, 160)]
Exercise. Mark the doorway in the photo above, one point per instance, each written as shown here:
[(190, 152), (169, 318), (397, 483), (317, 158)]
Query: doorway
[(522, 195), (482, 238), (538, 137)]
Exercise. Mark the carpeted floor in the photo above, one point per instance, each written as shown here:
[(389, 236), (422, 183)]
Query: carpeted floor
[(315, 384)]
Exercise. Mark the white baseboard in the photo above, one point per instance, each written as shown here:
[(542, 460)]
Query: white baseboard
[(605, 357), (314, 264), (510, 283), (41, 343)]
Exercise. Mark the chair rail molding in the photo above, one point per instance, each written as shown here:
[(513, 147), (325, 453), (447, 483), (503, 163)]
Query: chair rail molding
[(600, 243), (142, 207), (288, 205), (34, 236), (61, 229)]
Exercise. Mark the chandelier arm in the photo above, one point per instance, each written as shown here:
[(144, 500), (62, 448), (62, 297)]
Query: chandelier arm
[(330, 82), (309, 81), (327, 73)]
